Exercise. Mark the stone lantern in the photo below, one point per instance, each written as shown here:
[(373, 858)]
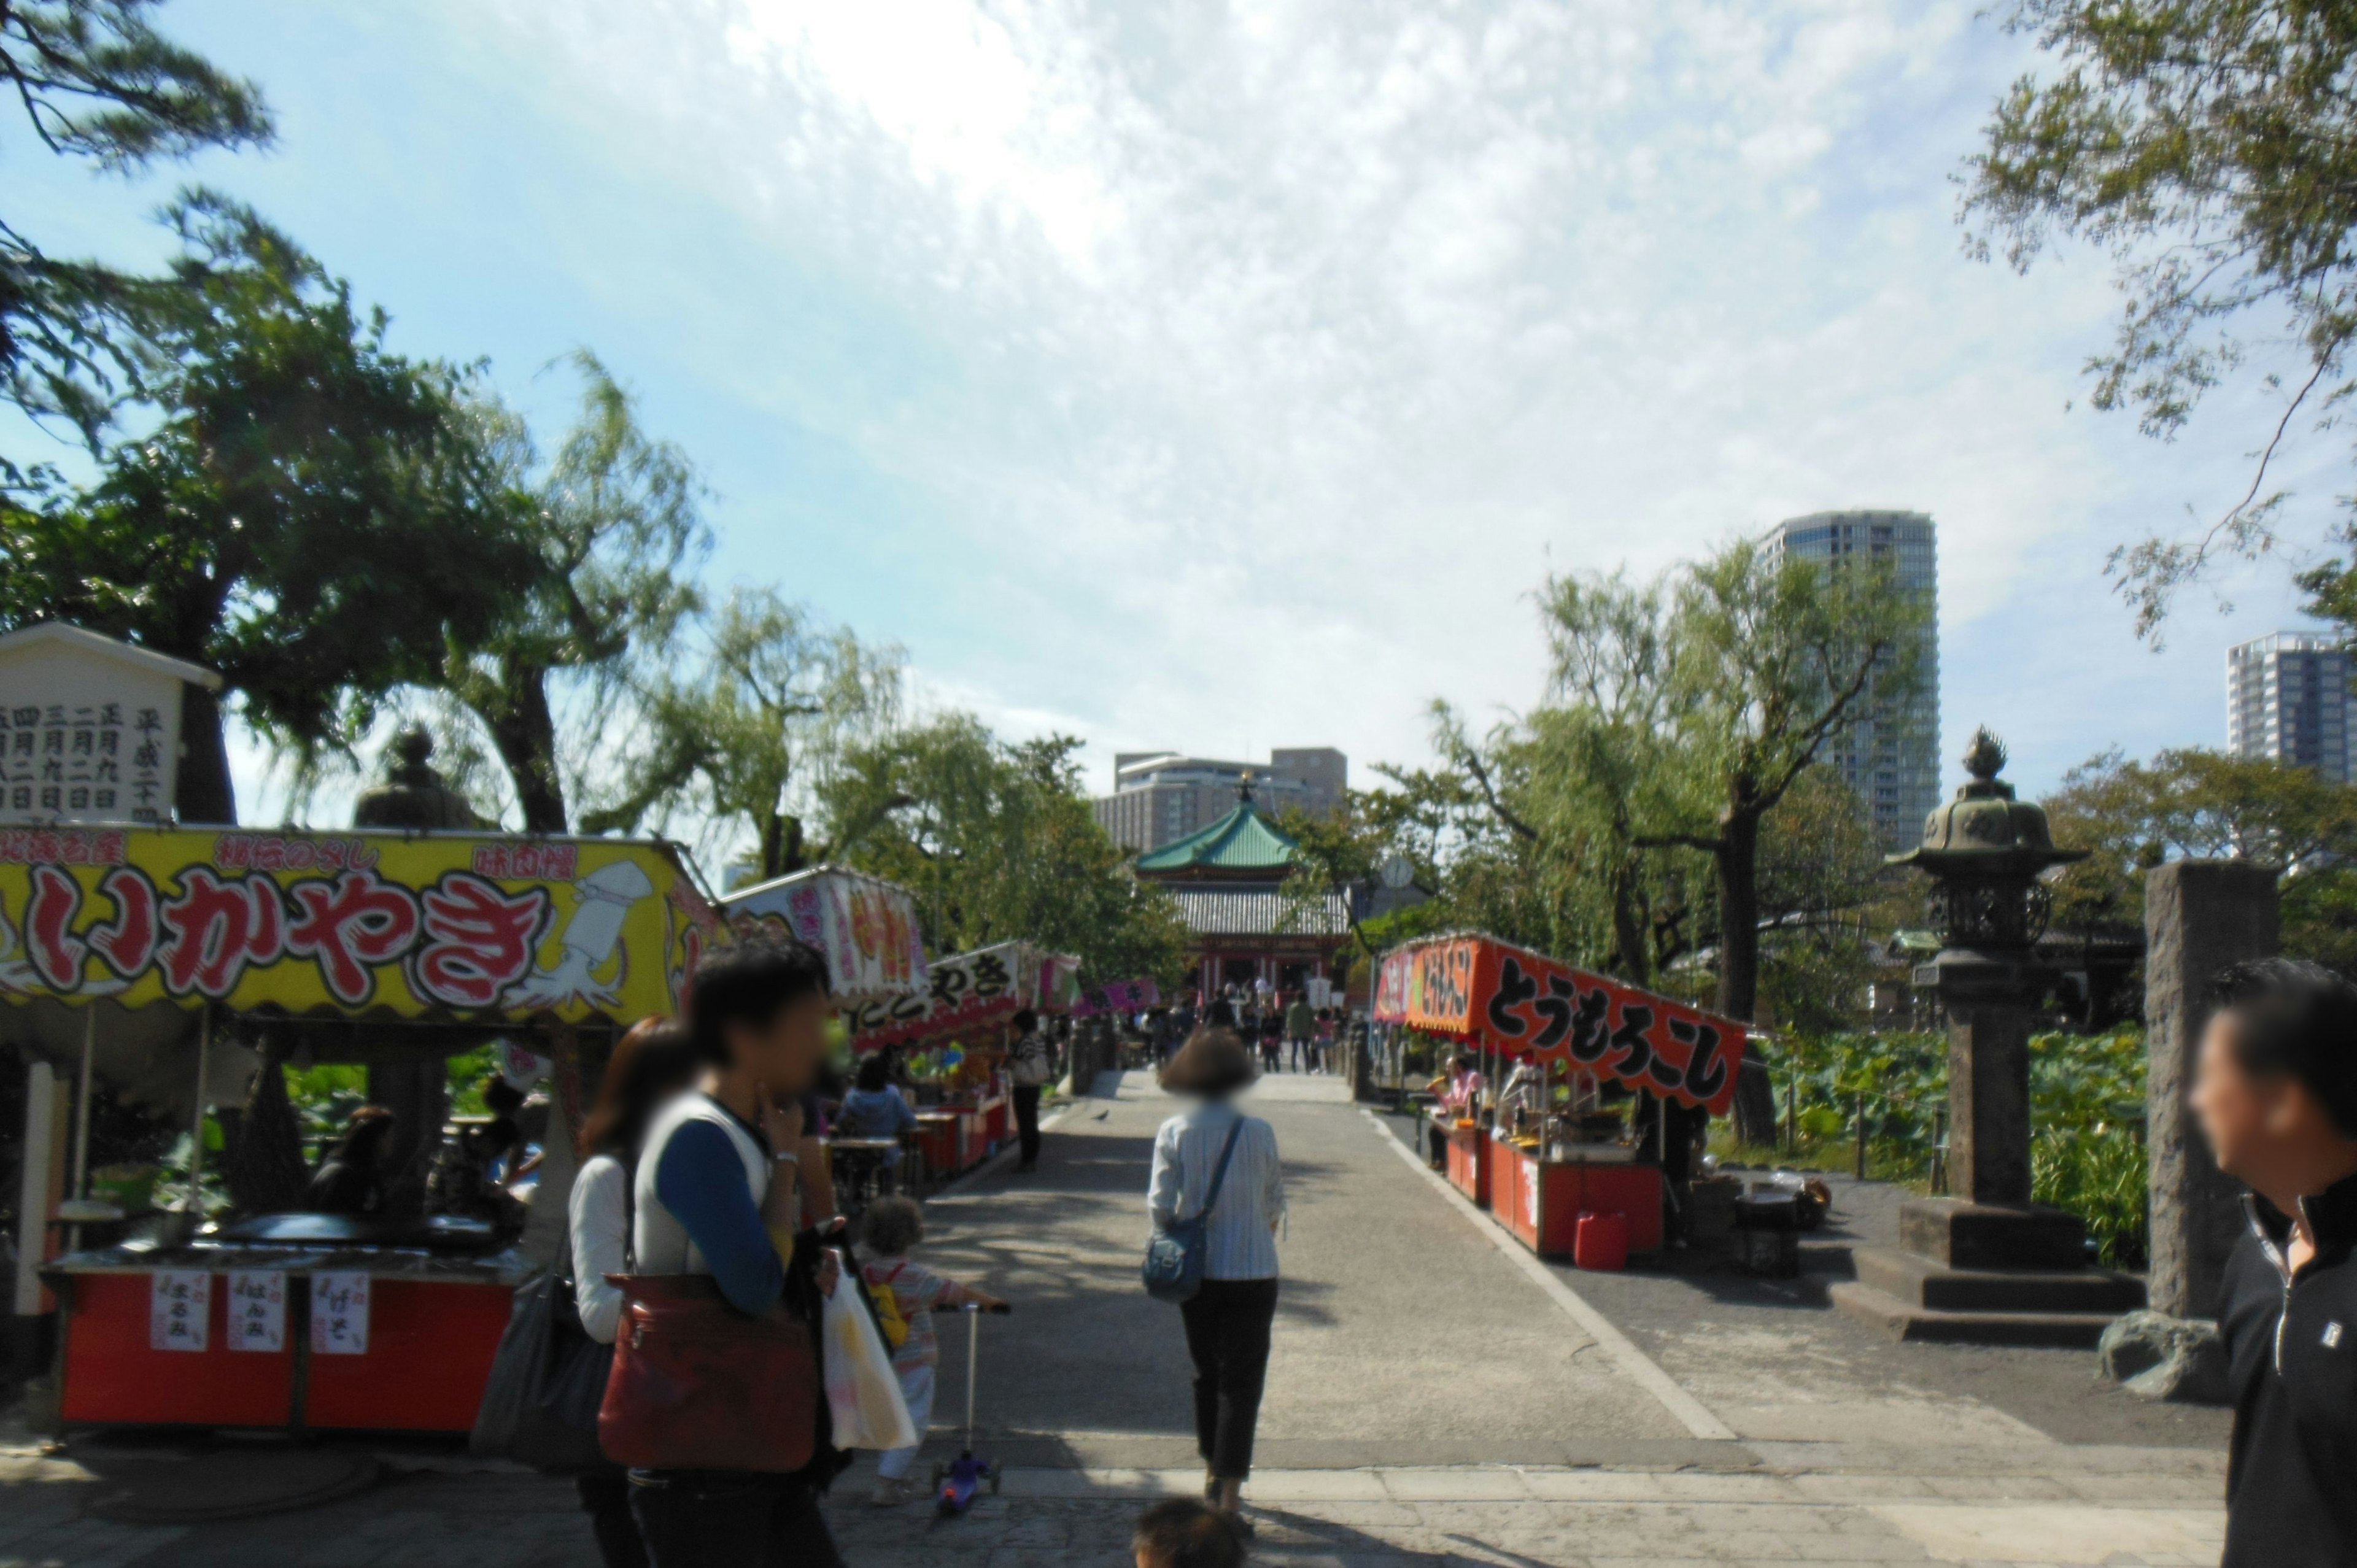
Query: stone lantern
[(1987, 1264), (1985, 852)]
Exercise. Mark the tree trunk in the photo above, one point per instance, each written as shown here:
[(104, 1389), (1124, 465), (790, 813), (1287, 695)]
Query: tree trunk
[(525, 732), (261, 1148), (1739, 966), (1629, 932), (202, 790)]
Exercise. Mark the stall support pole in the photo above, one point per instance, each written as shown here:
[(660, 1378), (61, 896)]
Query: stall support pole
[(33, 1195), (82, 1118), (1860, 1168), (195, 1202)]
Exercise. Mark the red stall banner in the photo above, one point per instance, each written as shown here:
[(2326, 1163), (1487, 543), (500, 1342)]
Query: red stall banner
[(1516, 1001)]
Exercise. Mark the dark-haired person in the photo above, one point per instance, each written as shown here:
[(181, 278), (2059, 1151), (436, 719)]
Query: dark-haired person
[(1030, 1063), (1180, 1532), (350, 1177), (1228, 1321), (2275, 1091), (718, 1193), (652, 1065)]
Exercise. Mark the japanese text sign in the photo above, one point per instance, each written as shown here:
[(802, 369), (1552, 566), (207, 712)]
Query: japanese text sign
[(90, 727), (1120, 997), (1516, 1001), (866, 927), (409, 924), (970, 991), (257, 1309), (339, 1313), (179, 1309)]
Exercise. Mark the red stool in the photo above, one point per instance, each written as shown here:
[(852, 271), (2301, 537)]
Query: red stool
[(1601, 1241)]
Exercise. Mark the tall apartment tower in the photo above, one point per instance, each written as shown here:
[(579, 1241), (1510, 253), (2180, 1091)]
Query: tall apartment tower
[(2287, 698), (1892, 757)]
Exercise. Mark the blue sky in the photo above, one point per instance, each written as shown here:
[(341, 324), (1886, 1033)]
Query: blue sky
[(1228, 376)]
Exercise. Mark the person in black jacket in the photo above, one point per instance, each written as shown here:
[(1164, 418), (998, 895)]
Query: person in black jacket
[(2275, 1091)]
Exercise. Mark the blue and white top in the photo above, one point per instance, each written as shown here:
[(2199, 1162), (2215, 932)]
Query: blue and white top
[(1239, 1242), (701, 1179)]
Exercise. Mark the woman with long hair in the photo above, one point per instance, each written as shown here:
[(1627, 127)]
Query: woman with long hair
[(1229, 1319), (653, 1064)]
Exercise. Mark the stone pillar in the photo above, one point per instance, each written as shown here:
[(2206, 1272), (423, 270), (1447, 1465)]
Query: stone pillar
[(2198, 916), (1988, 1100)]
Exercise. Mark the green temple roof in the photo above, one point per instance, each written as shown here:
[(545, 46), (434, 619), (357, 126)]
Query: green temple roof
[(1239, 843)]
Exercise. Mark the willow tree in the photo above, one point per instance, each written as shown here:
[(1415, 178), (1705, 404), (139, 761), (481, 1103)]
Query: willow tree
[(615, 519)]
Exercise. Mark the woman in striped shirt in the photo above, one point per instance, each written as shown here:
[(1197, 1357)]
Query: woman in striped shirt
[(1228, 1320)]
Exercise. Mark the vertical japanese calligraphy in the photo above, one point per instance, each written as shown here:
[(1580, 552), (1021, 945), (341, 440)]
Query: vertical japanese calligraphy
[(339, 1313), (179, 1309)]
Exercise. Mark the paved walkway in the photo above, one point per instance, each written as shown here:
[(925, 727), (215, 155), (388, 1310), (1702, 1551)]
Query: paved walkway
[(1434, 1397)]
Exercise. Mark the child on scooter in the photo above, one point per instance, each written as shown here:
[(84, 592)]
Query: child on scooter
[(890, 1231)]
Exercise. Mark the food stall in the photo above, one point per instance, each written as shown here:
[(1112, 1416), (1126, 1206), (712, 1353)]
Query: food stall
[(1546, 1144), (867, 930), (950, 1029), (368, 945)]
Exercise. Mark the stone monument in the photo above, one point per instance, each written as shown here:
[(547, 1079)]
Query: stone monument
[(1987, 1265)]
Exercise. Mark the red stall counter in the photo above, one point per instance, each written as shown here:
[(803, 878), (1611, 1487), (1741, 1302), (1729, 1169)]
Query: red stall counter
[(1470, 1162), (1540, 1201), (211, 1335)]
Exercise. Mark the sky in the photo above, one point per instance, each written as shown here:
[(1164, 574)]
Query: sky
[(1230, 376)]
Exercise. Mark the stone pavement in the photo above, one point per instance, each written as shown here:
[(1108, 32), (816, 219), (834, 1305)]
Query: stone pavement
[(1433, 1398)]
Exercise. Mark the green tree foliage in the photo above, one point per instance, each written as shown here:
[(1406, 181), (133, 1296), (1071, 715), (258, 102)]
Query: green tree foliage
[(98, 82), (615, 518), (2191, 801), (749, 740), (307, 516), (998, 843), (2210, 146)]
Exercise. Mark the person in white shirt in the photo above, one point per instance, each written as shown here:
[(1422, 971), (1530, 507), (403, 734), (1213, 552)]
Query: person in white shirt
[(1229, 1320), (652, 1065)]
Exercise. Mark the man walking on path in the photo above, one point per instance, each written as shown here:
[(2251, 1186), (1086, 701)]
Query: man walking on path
[(2275, 1089), (1300, 1028), (1031, 1062)]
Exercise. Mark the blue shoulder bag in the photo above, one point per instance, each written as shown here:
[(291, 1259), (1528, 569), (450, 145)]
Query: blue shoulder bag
[(1174, 1253)]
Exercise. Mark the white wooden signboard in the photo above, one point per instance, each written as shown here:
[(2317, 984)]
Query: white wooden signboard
[(90, 727)]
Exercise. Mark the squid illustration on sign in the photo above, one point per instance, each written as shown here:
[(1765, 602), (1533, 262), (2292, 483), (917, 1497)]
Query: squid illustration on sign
[(591, 939)]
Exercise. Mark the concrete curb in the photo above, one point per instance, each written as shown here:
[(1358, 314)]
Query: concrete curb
[(1638, 1366)]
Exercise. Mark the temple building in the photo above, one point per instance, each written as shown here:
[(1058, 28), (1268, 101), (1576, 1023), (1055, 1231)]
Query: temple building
[(1229, 880)]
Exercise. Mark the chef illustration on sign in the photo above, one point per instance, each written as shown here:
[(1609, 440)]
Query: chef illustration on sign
[(592, 936)]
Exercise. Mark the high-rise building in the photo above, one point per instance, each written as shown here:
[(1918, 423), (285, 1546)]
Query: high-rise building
[(1892, 756), (1161, 796), (2287, 698)]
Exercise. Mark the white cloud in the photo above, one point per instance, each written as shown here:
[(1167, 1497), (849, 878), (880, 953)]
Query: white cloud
[(1286, 345)]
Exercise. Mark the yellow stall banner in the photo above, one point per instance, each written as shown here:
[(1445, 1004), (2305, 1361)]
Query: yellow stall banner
[(406, 925)]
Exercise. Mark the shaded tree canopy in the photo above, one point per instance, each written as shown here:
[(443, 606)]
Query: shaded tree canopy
[(307, 516)]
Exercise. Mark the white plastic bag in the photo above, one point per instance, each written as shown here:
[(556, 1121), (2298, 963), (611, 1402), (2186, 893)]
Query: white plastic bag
[(862, 1390)]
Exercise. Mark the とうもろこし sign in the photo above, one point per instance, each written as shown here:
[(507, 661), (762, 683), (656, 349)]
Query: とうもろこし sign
[(407, 924)]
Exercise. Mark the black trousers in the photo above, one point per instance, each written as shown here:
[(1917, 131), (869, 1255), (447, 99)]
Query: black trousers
[(1026, 1120), (730, 1518), (1227, 1335), (606, 1498)]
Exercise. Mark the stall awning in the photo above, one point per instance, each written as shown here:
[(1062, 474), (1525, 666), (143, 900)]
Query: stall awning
[(971, 991), (1507, 998), (461, 926), (866, 926)]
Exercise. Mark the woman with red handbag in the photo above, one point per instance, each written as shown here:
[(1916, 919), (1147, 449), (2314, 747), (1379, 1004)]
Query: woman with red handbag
[(715, 1397)]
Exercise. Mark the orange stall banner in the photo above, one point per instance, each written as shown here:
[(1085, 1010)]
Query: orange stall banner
[(1512, 1000), (1441, 986)]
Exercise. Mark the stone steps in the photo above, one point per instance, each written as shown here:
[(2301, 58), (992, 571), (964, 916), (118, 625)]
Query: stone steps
[(1911, 1321)]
